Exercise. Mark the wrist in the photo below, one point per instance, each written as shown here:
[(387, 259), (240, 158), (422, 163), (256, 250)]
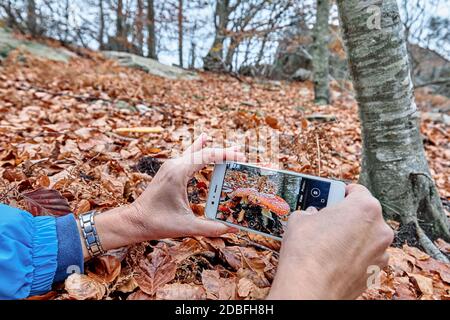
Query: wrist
[(313, 281), (117, 228)]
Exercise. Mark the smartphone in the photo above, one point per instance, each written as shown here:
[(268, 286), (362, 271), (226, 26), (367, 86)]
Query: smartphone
[(260, 200)]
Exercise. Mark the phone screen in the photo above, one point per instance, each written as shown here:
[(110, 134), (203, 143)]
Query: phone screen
[(262, 199)]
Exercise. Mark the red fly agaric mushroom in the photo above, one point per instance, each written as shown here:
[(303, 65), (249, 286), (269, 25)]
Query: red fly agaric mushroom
[(267, 202), (273, 203), (245, 194)]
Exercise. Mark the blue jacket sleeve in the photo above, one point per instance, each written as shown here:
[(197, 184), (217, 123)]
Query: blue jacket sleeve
[(31, 257)]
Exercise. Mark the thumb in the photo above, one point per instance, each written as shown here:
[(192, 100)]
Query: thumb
[(210, 228), (310, 211)]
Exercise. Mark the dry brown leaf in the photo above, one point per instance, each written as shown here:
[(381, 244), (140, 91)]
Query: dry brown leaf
[(218, 288), (416, 253), (46, 202), (245, 286), (424, 284), (187, 248), (82, 287), (158, 269), (140, 295), (82, 207), (106, 268), (443, 245), (180, 291)]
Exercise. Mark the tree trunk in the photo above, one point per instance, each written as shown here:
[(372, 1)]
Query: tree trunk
[(234, 44), (213, 61), (101, 32), (321, 53), (180, 33), (31, 17), (121, 36), (151, 40), (394, 165), (140, 26)]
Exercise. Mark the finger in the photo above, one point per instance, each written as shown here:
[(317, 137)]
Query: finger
[(355, 188), (209, 228), (200, 159), (310, 211), (384, 260), (198, 144)]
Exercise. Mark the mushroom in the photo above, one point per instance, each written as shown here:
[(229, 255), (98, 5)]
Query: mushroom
[(273, 203), (268, 202), (245, 194)]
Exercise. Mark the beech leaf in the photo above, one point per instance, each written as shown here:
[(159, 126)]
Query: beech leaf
[(154, 272), (46, 202)]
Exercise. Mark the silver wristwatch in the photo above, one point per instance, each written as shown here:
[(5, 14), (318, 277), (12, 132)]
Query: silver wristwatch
[(90, 235)]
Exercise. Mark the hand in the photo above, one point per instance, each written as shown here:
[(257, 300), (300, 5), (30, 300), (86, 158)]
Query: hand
[(326, 255), (163, 210)]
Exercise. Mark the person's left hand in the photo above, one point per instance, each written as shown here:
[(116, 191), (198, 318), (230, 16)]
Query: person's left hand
[(163, 210)]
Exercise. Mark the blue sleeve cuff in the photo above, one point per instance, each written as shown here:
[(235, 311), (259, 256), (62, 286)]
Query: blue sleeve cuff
[(44, 249), (70, 252)]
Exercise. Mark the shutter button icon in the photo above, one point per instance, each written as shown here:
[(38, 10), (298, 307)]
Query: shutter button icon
[(315, 192)]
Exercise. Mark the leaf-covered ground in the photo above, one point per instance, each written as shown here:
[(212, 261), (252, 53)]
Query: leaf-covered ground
[(58, 130)]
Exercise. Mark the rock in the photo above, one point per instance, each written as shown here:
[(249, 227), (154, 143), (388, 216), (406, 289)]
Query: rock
[(302, 75), (151, 66), (289, 60), (9, 43), (123, 105)]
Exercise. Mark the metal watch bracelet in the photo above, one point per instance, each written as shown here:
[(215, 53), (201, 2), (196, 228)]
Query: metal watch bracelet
[(90, 235)]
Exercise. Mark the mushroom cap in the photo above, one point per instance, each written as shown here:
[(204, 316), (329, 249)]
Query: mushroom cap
[(271, 202), (274, 203), (244, 192)]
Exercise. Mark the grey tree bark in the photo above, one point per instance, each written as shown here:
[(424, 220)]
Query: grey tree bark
[(151, 38), (213, 61), (394, 165), (101, 32), (32, 17), (139, 24), (120, 42), (180, 33), (321, 53)]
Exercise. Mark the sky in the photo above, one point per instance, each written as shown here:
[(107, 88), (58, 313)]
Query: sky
[(167, 34)]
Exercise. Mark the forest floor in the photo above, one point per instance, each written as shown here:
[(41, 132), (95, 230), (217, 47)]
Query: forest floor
[(58, 125)]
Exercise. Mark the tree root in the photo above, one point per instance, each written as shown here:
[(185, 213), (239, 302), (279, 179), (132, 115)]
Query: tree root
[(429, 246)]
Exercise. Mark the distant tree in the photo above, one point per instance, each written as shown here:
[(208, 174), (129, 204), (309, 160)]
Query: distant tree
[(180, 33), (101, 28), (321, 53), (151, 37), (214, 59), (32, 25), (139, 27), (394, 166), (120, 25)]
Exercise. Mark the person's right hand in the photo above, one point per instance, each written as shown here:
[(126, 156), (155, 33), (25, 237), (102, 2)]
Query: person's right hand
[(326, 255)]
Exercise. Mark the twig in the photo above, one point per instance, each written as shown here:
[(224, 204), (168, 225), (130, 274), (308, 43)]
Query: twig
[(431, 83), (257, 245)]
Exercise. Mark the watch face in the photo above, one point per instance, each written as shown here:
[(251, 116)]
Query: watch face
[(313, 193)]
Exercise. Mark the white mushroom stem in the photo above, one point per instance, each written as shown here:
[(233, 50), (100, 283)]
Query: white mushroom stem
[(266, 214)]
